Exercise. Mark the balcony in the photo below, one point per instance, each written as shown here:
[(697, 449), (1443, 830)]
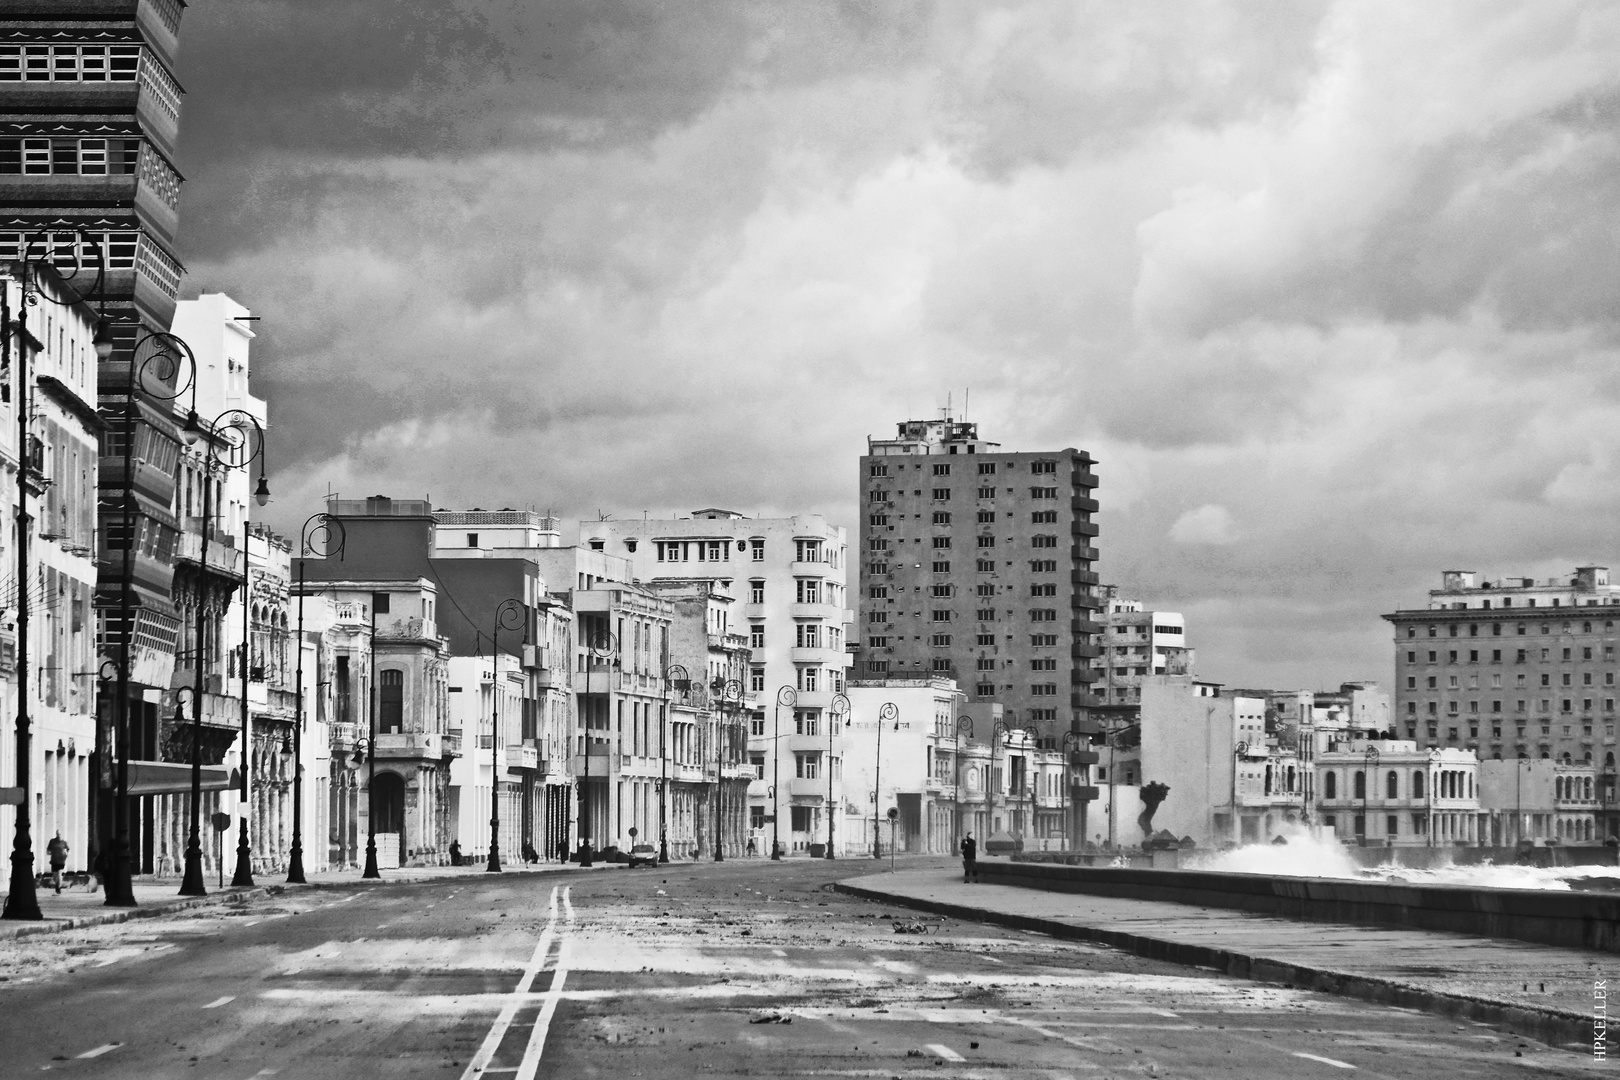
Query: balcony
[(1083, 577), (1083, 528), (945, 789), (1083, 793), (1079, 553), (450, 745), (1084, 478), (223, 555), (535, 656), (830, 613), (807, 790), (523, 757), (410, 745), (405, 630), (1083, 505)]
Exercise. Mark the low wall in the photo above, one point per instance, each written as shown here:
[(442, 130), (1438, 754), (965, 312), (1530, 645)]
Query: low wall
[(1425, 857), (1568, 919)]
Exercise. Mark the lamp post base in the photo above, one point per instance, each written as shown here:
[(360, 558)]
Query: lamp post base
[(295, 863), (244, 858), (192, 883), (584, 854), (22, 902), (663, 848), (117, 883), (494, 865), (371, 870)]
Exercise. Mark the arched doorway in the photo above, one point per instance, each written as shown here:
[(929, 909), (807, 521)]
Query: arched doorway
[(388, 803)]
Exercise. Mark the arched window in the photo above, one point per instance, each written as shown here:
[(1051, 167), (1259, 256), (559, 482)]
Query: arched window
[(1392, 785), (1558, 787), (390, 701), (1417, 783), (1588, 796), (1361, 785), (1330, 786)]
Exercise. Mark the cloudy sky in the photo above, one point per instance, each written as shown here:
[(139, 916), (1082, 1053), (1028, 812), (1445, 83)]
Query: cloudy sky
[(1331, 290)]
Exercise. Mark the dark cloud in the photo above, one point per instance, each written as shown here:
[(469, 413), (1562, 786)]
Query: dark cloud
[(1328, 288)]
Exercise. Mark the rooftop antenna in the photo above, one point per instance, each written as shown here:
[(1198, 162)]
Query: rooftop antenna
[(966, 390)]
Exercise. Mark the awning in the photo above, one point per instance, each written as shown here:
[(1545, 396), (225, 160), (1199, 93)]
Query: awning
[(171, 778)]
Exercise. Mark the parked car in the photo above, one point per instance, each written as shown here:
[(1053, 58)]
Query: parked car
[(643, 855)]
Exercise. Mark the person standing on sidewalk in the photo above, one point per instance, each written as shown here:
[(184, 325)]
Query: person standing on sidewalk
[(970, 857), (57, 849)]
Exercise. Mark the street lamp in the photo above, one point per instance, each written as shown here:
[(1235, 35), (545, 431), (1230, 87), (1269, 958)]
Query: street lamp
[(729, 693), (236, 441), (679, 678), (22, 901), (1370, 763), (510, 615), (1000, 733), (963, 723), (324, 534), (156, 363), (603, 647), (837, 716), (1069, 746), (889, 711), (372, 871), (789, 697)]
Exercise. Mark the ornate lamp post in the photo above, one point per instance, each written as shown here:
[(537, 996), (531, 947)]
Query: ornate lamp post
[(963, 723), (510, 615), (837, 716), (728, 693), (236, 441), (786, 696), (325, 535), (603, 648), (22, 901), (156, 364), (1070, 745), (372, 871), (679, 678), (1370, 759), (889, 711), (1000, 735)]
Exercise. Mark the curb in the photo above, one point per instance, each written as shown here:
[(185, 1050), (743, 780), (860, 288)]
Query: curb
[(226, 896), (1554, 1026)]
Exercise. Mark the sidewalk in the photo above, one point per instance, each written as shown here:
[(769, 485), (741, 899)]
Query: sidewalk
[(1531, 989), (78, 907)]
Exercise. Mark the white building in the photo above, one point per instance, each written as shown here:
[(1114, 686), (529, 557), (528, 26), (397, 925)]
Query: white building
[(789, 576), (1391, 793), (50, 343), (473, 693)]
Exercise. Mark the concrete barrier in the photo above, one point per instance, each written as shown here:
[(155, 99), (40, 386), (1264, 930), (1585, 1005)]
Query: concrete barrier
[(1575, 920)]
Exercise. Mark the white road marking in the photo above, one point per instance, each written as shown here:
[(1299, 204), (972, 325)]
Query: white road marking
[(1323, 1060), (217, 1002), (251, 922), (98, 1051), (497, 1031), (1163, 1012), (778, 952), (941, 1050), (537, 1037), (264, 1072)]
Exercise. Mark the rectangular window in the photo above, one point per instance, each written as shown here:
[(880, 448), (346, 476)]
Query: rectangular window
[(942, 568), (987, 468), (1043, 492), (987, 493), (807, 635), (987, 517), (1043, 566), (942, 615), (806, 722), (756, 591), (987, 541), (756, 636), (985, 663), (1043, 641), (1043, 689), (1044, 589), (985, 566), (940, 641), (807, 591), (941, 543), (878, 521), (940, 494), (1043, 541), (756, 680), (1043, 517), (985, 614), (942, 470), (1043, 663), (758, 762), (985, 640), (877, 469), (808, 767), (942, 517), (809, 679), (758, 547), (1042, 615)]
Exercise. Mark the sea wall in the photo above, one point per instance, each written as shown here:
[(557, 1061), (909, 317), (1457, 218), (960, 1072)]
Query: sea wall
[(1548, 917)]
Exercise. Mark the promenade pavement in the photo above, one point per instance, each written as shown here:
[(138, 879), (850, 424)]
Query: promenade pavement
[(76, 906), (1536, 989)]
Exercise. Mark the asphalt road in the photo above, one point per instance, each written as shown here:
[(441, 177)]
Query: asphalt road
[(749, 968)]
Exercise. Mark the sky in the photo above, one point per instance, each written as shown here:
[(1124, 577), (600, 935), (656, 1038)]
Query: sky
[(1330, 290)]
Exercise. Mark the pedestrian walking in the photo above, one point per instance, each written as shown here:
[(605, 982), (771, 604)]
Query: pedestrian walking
[(455, 853), (57, 849), (752, 850), (970, 857), (529, 854)]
